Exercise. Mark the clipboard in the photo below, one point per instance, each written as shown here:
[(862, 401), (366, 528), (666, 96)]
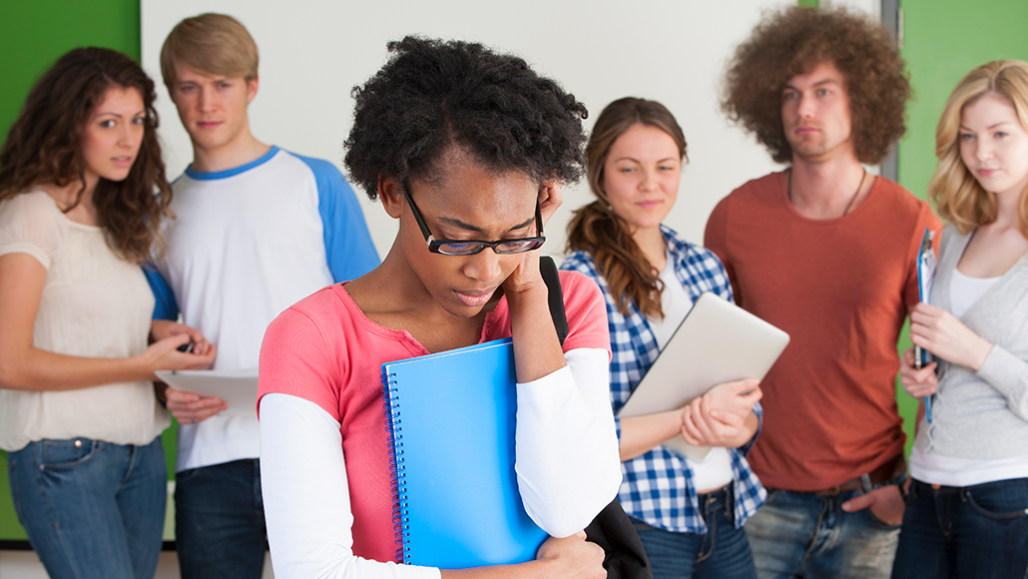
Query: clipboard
[(926, 263), (716, 342), (238, 388)]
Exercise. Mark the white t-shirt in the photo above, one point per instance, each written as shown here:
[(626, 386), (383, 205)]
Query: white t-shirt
[(246, 244), (95, 305), (715, 470)]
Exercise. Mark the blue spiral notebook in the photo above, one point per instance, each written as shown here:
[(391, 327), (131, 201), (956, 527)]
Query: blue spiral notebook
[(452, 417)]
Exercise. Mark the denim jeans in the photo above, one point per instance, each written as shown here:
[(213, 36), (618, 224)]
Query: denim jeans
[(722, 552), (219, 521), (803, 534), (965, 532), (91, 509)]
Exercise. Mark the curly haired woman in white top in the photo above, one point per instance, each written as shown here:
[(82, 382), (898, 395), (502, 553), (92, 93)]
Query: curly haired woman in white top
[(78, 416)]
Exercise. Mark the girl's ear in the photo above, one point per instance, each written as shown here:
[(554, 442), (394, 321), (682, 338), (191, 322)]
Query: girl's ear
[(391, 193)]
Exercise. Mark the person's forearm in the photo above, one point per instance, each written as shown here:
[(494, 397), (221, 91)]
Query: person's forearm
[(537, 350), (748, 430), (36, 369), (639, 434)]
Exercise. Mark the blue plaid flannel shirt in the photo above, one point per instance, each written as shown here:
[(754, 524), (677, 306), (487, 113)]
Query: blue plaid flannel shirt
[(658, 485)]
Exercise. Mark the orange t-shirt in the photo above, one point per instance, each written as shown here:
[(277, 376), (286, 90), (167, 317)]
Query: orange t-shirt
[(840, 288)]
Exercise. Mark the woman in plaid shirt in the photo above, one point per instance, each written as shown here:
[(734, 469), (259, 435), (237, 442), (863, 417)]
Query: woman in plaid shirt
[(689, 514)]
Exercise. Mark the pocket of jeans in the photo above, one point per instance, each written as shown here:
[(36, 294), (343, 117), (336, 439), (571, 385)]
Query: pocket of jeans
[(186, 474), (65, 454), (876, 521), (991, 514)]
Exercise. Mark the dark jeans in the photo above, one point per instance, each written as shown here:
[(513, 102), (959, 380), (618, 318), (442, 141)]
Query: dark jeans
[(807, 535), (721, 552), (965, 532), (219, 521), (91, 509)]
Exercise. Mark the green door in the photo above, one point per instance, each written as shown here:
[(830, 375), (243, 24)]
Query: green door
[(942, 41)]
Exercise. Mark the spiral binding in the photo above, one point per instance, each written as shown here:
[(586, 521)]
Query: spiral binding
[(397, 476)]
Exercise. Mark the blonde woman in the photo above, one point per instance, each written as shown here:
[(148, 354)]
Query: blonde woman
[(967, 513)]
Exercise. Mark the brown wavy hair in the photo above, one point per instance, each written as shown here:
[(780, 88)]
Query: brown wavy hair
[(794, 41), (596, 229), (45, 146), (958, 196)]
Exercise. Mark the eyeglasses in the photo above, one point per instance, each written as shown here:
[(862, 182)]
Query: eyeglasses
[(471, 247)]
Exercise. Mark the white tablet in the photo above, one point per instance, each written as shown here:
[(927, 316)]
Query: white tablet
[(716, 342), (237, 388)]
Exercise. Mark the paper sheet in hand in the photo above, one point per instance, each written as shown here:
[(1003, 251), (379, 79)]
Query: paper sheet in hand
[(238, 388), (716, 342)]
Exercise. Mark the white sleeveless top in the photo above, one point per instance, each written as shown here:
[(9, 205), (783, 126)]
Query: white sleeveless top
[(715, 470), (94, 304)]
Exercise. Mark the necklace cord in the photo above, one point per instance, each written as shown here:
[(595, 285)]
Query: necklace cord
[(849, 205)]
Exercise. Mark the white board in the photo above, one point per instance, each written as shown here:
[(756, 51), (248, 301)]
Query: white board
[(313, 52)]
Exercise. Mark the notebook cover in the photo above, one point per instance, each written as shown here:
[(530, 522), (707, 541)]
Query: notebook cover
[(452, 417)]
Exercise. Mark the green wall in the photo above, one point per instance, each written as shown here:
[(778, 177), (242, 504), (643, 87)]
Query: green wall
[(33, 34), (942, 41)]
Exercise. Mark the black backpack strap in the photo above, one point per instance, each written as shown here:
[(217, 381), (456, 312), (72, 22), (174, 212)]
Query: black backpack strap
[(555, 298), (625, 557)]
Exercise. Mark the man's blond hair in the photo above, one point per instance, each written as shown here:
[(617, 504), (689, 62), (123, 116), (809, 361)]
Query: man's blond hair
[(212, 44)]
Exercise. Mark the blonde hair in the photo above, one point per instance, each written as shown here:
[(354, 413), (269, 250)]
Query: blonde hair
[(958, 196), (214, 44)]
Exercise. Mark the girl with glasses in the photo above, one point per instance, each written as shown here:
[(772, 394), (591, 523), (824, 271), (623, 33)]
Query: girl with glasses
[(468, 149)]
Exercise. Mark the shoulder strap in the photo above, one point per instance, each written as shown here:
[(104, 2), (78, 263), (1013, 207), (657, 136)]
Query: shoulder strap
[(548, 269)]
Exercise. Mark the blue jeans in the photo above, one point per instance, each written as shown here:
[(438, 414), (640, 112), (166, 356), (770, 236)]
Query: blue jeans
[(803, 534), (976, 531), (721, 552), (219, 521), (91, 509)]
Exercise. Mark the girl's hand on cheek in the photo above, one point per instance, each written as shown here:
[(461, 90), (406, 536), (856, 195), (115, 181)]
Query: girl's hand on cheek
[(525, 276), (550, 198)]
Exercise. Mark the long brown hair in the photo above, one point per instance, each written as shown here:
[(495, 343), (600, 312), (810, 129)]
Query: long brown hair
[(958, 196), (45, 146), (596, 229)]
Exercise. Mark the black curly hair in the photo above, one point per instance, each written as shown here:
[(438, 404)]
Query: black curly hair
[(433, 94)]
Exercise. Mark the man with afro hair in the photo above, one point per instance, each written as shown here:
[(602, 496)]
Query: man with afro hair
[(827, 252)]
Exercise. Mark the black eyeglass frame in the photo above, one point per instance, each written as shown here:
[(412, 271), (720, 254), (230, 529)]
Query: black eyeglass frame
[(475, 246)]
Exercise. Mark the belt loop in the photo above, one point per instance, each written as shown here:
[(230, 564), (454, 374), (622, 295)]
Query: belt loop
[(865, 482)]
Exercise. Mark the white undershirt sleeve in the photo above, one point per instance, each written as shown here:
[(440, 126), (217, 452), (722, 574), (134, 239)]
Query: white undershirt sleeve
[(306, 497), (566, 445), (567, 465)]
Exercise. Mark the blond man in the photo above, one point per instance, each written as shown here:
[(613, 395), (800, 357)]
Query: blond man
[(258, 228)]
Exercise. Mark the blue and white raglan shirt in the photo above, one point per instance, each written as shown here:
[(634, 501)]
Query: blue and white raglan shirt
[(658, 485), (246, 244)]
